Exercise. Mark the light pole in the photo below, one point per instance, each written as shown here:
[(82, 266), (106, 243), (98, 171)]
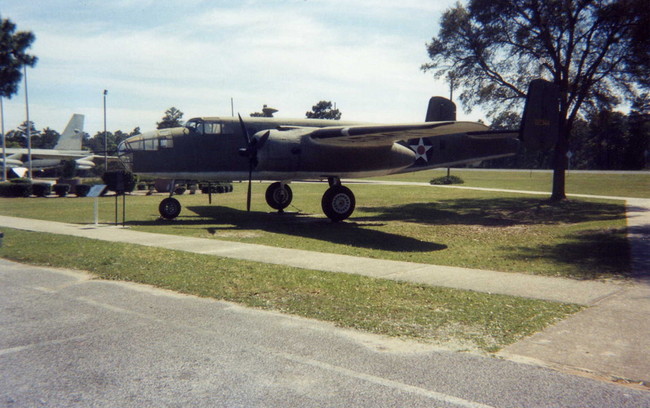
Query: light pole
[(4, 141), (28, 124), (105, 142)]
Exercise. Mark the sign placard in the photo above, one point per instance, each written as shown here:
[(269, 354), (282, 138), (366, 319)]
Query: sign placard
[(96, 190)]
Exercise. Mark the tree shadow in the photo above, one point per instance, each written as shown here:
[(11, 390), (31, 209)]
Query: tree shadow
[(496, 212), (352, 233), (594, 254)]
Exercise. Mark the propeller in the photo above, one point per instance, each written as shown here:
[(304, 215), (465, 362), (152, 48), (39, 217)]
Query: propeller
[(252, 145)]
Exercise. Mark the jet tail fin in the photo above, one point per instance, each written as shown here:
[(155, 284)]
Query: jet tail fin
[(70, 139), (540, 124), (440, 110)]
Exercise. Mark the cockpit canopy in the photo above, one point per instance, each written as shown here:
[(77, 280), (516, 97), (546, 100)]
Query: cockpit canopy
[(204, 127)]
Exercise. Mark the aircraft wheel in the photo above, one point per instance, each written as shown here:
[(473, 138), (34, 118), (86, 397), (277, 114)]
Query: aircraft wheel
[(338, 203), (169, 208), (279, 196)]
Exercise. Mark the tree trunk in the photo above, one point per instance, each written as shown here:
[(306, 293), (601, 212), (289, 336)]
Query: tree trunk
[(560, 166)]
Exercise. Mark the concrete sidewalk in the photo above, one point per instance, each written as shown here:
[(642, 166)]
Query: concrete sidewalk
[(531, 286)]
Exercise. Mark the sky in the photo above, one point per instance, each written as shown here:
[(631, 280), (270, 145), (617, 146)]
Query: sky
[(197, 55)]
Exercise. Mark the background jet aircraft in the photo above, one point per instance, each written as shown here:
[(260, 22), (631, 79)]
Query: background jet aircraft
[(68, 147), (282, 150)]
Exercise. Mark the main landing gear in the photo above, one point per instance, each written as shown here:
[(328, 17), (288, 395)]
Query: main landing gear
[(338, 202)]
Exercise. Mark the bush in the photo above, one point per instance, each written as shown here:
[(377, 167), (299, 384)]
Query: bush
[(61, 189), (447, 180), (15, 189), (41, 189), (82, 190), (119, 181)]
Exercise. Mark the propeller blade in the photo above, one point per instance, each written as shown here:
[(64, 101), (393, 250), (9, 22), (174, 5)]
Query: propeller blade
[(244, 130), (263, 139), (250, 151), (250, 182)]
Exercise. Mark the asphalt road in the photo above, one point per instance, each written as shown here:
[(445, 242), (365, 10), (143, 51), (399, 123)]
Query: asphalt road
[(69, 341)]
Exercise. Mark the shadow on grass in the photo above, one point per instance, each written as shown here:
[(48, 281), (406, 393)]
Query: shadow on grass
[(355, 234), (588, 254), (497, 212)]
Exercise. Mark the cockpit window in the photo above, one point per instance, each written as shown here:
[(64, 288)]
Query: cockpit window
[(212, 128), (195, 126), (204, 128)]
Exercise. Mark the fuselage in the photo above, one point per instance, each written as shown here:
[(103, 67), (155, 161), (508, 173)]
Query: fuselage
[(208, 148)]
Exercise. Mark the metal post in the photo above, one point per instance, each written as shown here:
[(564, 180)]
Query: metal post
[(123, 209), (96, 211), (29, 127), (4, 141), (105, 142)]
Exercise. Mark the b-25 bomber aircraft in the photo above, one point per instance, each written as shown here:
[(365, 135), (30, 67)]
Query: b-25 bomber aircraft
[(283, 150)]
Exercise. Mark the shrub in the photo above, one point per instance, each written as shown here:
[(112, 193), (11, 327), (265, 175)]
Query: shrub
[(61, 189), (82, 190), (447, 180), (20, 189), (119, 181), (41, 189)]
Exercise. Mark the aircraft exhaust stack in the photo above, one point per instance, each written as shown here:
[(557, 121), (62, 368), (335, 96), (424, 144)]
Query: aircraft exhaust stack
[(540, 124)]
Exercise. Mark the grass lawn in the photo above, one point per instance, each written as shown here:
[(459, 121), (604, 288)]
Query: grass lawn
[(579, 238), (458, 319), (607, 184)]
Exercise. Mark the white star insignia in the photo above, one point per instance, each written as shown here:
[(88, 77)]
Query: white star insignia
[(420, 150)]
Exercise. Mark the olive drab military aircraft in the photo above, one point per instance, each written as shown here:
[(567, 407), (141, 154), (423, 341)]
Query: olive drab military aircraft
[(284, 150)]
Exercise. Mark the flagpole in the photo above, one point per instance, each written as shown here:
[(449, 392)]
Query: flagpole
[(28, 124), (4, 141)]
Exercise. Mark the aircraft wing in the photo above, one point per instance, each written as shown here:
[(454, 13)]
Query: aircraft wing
[(385, 135)]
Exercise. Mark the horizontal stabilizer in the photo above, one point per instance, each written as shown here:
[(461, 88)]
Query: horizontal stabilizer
[(493, 134)]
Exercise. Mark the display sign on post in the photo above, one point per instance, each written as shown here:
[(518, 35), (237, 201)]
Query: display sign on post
[(96, 191)]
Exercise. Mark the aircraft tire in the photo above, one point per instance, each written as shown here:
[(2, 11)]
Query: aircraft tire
[(169, 208), (338, 203), (278, 196)]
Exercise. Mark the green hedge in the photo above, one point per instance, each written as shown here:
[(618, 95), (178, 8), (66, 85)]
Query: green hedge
[(41, 189), (15, 189), (61, 189)]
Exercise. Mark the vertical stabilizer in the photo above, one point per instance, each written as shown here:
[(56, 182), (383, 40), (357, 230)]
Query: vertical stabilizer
[(440, 110), (70, 139), (540, 124)]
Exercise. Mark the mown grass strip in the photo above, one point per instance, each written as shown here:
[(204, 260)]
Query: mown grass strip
[(456, 318), (473, 229)]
